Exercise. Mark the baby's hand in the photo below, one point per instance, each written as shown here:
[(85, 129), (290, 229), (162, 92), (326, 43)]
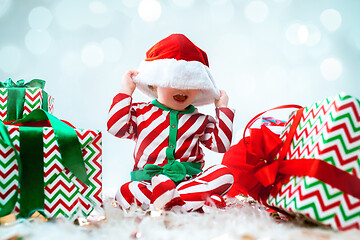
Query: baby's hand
[(223, 100), (127, 84)]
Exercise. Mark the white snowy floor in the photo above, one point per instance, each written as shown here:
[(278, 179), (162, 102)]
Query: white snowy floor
[(237, 222)]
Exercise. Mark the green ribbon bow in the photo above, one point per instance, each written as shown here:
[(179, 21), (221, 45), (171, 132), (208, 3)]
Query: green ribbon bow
[(9, 83), (176, 171), (30, 160), (16, 96)]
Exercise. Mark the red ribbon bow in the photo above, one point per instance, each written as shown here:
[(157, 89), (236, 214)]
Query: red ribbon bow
[(256, 157), (258, 174), (262, 149)]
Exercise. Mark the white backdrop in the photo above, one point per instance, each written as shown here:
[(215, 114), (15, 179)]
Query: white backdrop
[(263, 53)]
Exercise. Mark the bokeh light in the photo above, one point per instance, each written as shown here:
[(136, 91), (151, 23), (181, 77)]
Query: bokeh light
[(298, 34), (303, 34), (112, 49), (292, 33), (149, 10), (331, 69), (99, 15), (4, 6), (92, 55), (10, 58), (40, 18), (314, 35), (331, 19), (37, 41), (256, 11)]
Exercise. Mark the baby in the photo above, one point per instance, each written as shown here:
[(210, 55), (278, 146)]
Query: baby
[(169, 160)]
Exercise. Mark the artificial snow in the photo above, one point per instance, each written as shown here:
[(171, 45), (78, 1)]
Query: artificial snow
[(237, 221)]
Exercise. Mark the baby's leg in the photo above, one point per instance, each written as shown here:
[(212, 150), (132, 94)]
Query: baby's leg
[(134, 192), (216, 179), (164, 196)]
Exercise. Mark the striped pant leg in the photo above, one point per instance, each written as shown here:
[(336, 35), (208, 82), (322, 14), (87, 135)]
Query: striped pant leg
[(134, 192), (216, 179), (164, 195)]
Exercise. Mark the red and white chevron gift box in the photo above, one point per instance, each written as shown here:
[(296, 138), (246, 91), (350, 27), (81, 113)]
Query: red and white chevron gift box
[(65, 194), (34, 98), (328, 130)]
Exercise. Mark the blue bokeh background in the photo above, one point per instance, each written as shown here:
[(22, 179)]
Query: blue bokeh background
[(263, 53)]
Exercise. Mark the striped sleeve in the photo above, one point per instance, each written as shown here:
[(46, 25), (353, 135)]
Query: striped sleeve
[(218, 132), (122, 118)]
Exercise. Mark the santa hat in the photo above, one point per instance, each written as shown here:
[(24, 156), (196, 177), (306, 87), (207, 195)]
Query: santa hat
[(176, 62)]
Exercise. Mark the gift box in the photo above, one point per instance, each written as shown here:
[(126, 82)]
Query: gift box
[(18, 99), (54, 173), (312, 170), (328, 130)]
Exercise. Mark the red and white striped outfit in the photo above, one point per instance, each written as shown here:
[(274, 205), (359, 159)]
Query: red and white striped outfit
[(149, 126)]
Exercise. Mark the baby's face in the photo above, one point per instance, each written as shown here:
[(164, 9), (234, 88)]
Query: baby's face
[(177, 99)]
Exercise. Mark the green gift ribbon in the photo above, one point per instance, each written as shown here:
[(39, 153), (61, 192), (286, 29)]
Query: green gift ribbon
[(9, 83), (30, 160), (69, 145), (32, 175), (176, 171), (16, 92)]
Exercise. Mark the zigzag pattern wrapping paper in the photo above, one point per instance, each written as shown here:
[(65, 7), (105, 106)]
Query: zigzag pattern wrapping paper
[(65, 195), (33, 100), (328, 130)]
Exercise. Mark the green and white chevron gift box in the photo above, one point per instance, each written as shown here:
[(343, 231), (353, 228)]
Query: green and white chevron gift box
[(18, 99), (328, 130), (50, 181)]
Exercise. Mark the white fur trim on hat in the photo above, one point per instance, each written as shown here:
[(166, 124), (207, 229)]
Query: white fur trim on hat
[(178, 74)]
